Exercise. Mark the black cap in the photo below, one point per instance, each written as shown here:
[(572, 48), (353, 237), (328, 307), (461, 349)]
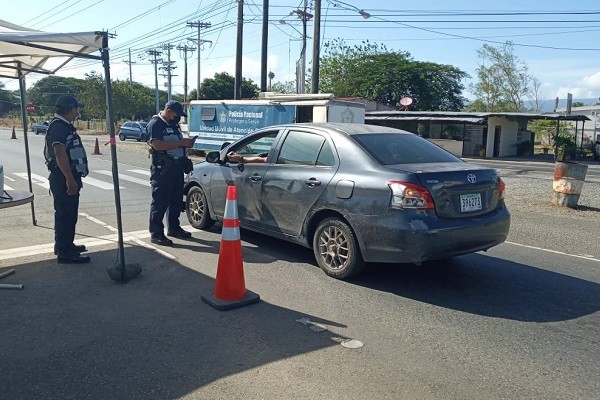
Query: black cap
[(67, 102), (177, 107)]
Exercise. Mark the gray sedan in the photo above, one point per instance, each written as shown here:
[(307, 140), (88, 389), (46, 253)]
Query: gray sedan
[(353, 193)]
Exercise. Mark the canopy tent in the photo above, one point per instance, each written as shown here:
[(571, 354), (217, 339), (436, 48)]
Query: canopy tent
[(24, 51)]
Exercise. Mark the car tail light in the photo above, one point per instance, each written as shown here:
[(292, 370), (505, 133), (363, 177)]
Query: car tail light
[(501, 187), (410, 195)]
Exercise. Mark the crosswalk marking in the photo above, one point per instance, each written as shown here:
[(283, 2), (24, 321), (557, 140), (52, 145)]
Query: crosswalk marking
[(98, 183), (140, 171), (88, 180), (35, 178), (126, 178), (6, 187)]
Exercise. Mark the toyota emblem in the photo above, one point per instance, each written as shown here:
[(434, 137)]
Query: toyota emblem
[(471, 178)]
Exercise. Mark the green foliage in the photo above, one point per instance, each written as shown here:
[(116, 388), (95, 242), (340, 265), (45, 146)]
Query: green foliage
[(371, 71), (503, 81), (44, 92), (567, 142), (9, 101), (284, 87), (222, 86)]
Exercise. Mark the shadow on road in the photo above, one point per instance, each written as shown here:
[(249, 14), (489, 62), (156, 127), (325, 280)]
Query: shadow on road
[(484, 285), (74, 333)]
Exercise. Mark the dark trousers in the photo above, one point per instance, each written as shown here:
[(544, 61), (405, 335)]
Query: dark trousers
[(66, 209), (167, 197)]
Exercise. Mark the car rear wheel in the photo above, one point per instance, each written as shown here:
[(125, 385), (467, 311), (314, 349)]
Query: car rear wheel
[(336, 249), (196, 209), (121, 136)]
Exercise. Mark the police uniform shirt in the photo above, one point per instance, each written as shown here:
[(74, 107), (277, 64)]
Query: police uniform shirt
[(67, 137), (161, 129)]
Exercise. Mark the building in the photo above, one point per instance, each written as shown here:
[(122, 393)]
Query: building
[(467, 134)]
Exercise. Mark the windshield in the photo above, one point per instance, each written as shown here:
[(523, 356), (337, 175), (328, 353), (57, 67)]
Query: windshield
[(392, 148)]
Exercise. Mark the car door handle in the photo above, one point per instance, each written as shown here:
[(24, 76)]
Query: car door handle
[(312, 182), (256, 178)]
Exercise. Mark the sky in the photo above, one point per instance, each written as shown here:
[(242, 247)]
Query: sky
[(558, 41)]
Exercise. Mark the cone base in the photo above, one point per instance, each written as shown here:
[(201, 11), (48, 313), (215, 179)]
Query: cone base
[(123, 273), (223, 305)]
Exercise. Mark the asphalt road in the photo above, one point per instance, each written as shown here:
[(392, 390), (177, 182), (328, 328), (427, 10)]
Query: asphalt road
[(520, 321)]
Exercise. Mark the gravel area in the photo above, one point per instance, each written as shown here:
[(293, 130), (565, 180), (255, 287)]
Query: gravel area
[(535, 221)]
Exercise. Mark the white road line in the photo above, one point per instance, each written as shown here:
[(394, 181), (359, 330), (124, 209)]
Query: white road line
[(140, 171), (97, 221), (37, 179), (589, 258), (9, 178), (126, 178), (6, 187), (99, 184)]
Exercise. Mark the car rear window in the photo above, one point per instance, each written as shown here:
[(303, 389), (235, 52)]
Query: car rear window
[(392, 148)]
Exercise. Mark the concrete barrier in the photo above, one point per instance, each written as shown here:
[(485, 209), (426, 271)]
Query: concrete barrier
[(568, 183)]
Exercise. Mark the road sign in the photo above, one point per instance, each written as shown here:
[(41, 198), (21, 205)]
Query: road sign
[(30, 107)]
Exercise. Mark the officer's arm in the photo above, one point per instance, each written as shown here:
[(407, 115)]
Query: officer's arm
[(63, 161)]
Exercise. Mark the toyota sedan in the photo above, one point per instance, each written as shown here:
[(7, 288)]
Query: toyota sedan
[(353, 193)]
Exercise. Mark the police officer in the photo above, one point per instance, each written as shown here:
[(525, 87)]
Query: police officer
[(169, 160), (67, 163)]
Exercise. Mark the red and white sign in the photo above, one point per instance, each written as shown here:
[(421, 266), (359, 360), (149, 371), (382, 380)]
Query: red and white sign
[(30, 107)]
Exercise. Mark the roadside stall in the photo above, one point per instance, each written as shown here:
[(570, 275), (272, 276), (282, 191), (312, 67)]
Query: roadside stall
[(24, 51)]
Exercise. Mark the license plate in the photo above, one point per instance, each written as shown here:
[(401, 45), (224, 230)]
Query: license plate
[(470, 202)]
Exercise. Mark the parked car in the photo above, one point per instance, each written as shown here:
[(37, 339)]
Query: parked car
[(135, 130), (40, 127), (354, 193)]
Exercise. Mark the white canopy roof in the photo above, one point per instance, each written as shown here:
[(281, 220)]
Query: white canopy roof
[(23, 50)]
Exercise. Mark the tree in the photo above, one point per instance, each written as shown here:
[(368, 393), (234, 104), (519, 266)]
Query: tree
[(222, 85), (44, 92), (370, 71), (8, 101), (284, 87), (503, 81)]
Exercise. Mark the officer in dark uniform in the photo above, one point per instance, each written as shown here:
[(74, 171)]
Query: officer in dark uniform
[(67, 163), (169, 162)]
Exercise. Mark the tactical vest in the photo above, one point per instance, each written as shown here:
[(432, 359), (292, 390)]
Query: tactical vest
[(171, 133), (74, 148)]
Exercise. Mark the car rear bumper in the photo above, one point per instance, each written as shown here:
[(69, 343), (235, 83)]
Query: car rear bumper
[(408, 236)]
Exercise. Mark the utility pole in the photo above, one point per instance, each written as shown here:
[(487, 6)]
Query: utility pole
[(314, 87), (185, 50), (263, 58), (199, 42), (129, 63), (304, 16), (237, 90), (155, 61), (168, 66)]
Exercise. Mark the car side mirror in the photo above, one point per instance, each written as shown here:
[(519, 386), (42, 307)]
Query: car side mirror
[(213, 157)]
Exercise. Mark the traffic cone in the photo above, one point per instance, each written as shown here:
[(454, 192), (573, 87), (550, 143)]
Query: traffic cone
[(97, 148), (230, 289), (14, 135)]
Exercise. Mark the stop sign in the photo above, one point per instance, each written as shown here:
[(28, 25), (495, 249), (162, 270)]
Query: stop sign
[(30, 107)]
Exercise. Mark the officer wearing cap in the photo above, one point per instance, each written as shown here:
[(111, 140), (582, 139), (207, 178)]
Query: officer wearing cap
[(67, 163), (169, 161)]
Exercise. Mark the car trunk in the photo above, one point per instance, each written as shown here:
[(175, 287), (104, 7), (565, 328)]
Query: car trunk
[(459, 190)]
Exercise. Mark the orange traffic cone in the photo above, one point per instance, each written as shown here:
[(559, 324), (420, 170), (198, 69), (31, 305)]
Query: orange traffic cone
[(97, 148), (14, 135), (230, 288)]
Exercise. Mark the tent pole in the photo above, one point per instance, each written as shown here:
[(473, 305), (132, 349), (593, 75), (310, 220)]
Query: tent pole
[(23, 91), (119, 272)]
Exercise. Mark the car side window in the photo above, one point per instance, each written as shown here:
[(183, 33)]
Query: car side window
[(326, 157), (126, 124), (300, 148), (258, 146)]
